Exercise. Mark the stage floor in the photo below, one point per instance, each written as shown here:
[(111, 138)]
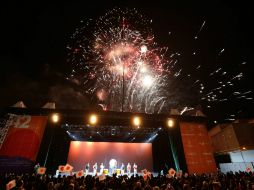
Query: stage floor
[(92, 174)]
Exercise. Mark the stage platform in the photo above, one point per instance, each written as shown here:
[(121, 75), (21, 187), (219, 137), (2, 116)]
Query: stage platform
[(61, 174)]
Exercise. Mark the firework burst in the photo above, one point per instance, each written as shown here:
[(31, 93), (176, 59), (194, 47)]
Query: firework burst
[(117, 61), (120, 62)]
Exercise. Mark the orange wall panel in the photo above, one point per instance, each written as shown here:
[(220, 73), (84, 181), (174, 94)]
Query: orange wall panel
[(197, 148), (24, 136)]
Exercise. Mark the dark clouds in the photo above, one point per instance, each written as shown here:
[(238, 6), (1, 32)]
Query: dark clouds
[(48, 86), (68, 98)]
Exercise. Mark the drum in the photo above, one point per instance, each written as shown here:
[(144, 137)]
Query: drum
[(105, 171)]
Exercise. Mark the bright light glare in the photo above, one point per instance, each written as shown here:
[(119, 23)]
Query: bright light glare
[(143, 49), (93, 119), (170, 122), (140, 63), (136, 121), (143, 69), (147, 81), (55, 118)]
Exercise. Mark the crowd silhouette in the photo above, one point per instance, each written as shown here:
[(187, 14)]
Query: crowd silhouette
[(238, 181)]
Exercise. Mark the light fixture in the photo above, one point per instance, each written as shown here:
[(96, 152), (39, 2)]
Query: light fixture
[(170, 123), (93, 119), (136, 121), (55, 117)]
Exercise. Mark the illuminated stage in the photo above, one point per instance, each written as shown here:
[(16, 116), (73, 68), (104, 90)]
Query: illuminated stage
[(153, 141), (155, 174), (81, 153)]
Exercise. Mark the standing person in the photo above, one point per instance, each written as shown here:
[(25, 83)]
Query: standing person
[(87, 168), (112, 166), (101, 168), (122, 169), (115, 167), (95, 169), (128, 169), (135, 169)]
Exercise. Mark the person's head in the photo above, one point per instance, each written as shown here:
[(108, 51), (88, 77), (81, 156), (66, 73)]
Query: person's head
[(148, 187), (71, 186), (205, 184), (186, 186), (20, 183), (51, 185), (216, 185), (138, 184)]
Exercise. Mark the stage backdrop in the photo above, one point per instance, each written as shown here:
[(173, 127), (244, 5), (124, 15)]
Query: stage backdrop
[(81, 153), (24, 136), (197, 148)]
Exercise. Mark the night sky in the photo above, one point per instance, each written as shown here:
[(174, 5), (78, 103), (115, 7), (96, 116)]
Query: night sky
[(33, 66)]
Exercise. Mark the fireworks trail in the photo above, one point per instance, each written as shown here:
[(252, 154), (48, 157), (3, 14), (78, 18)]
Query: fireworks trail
[(117, 61), (203, 24)]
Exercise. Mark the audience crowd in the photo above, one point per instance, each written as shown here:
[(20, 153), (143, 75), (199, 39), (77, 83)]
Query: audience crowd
[(237, 181)]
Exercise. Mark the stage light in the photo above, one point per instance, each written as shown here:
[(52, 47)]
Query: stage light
[(152, 137), (55, 117), (136, 121), (244, 148), (170, 123), (93, 119)]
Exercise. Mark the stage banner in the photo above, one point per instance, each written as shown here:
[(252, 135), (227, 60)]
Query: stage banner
[(24, 136), (197, 148)]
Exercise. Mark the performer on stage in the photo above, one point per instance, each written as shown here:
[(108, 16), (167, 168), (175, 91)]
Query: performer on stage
[(101, 168), (128, 169), (135, 168), (122, 169), (95, 169), (112, 166), (87, 168)]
